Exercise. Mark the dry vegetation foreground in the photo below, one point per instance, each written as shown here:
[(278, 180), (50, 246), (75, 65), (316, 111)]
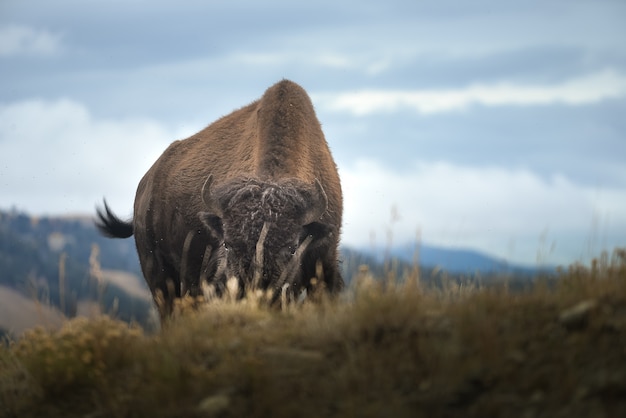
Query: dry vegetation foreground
[(386, 351)]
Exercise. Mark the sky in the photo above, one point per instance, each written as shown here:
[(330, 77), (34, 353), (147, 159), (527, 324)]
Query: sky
[(492, 125)]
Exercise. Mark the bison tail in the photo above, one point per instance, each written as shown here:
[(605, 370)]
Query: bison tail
[(110, 225)]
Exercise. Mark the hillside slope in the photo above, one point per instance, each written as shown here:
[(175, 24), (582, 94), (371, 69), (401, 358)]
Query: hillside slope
[(19, 313), (64, 264), (394, 350)]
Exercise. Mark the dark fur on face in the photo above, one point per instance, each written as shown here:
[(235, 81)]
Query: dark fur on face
[(245, 206)]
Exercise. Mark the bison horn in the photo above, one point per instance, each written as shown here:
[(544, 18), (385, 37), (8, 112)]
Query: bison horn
[(319, 205), (209, 201)]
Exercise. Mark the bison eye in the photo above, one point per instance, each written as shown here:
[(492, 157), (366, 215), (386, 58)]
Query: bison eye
[(289, 250)]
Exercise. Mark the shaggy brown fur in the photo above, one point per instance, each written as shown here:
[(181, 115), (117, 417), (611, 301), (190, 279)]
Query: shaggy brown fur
[(268, 163)]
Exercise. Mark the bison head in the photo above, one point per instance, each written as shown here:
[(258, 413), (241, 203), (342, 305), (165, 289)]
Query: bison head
[(265, 230)]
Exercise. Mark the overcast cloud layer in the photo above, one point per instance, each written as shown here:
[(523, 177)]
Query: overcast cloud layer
[(491, 125)]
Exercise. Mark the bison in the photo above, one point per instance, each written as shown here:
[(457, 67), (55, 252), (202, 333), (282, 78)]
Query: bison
[(255, 195)]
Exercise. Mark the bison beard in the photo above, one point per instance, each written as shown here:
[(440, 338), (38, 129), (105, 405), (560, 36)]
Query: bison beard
[(255, 195)]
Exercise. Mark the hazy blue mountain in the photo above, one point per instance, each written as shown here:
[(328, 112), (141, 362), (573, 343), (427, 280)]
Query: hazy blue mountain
[(453, 260), (31, 250)]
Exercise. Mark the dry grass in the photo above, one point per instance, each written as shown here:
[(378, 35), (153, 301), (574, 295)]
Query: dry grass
[(388, 349)]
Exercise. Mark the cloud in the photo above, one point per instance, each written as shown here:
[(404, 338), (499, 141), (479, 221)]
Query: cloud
[(502, 211), (24, 40), (57, 157), (320, 58), (588, 89)]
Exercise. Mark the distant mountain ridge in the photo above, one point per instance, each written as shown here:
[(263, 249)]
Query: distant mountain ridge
[(31, 250), (77, 233), (456, 260)]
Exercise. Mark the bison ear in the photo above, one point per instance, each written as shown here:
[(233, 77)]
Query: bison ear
[(210, 202), (319, 205)]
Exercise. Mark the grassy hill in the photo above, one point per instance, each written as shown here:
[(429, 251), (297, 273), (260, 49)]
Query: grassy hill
[(54, 266), (384, 349)]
